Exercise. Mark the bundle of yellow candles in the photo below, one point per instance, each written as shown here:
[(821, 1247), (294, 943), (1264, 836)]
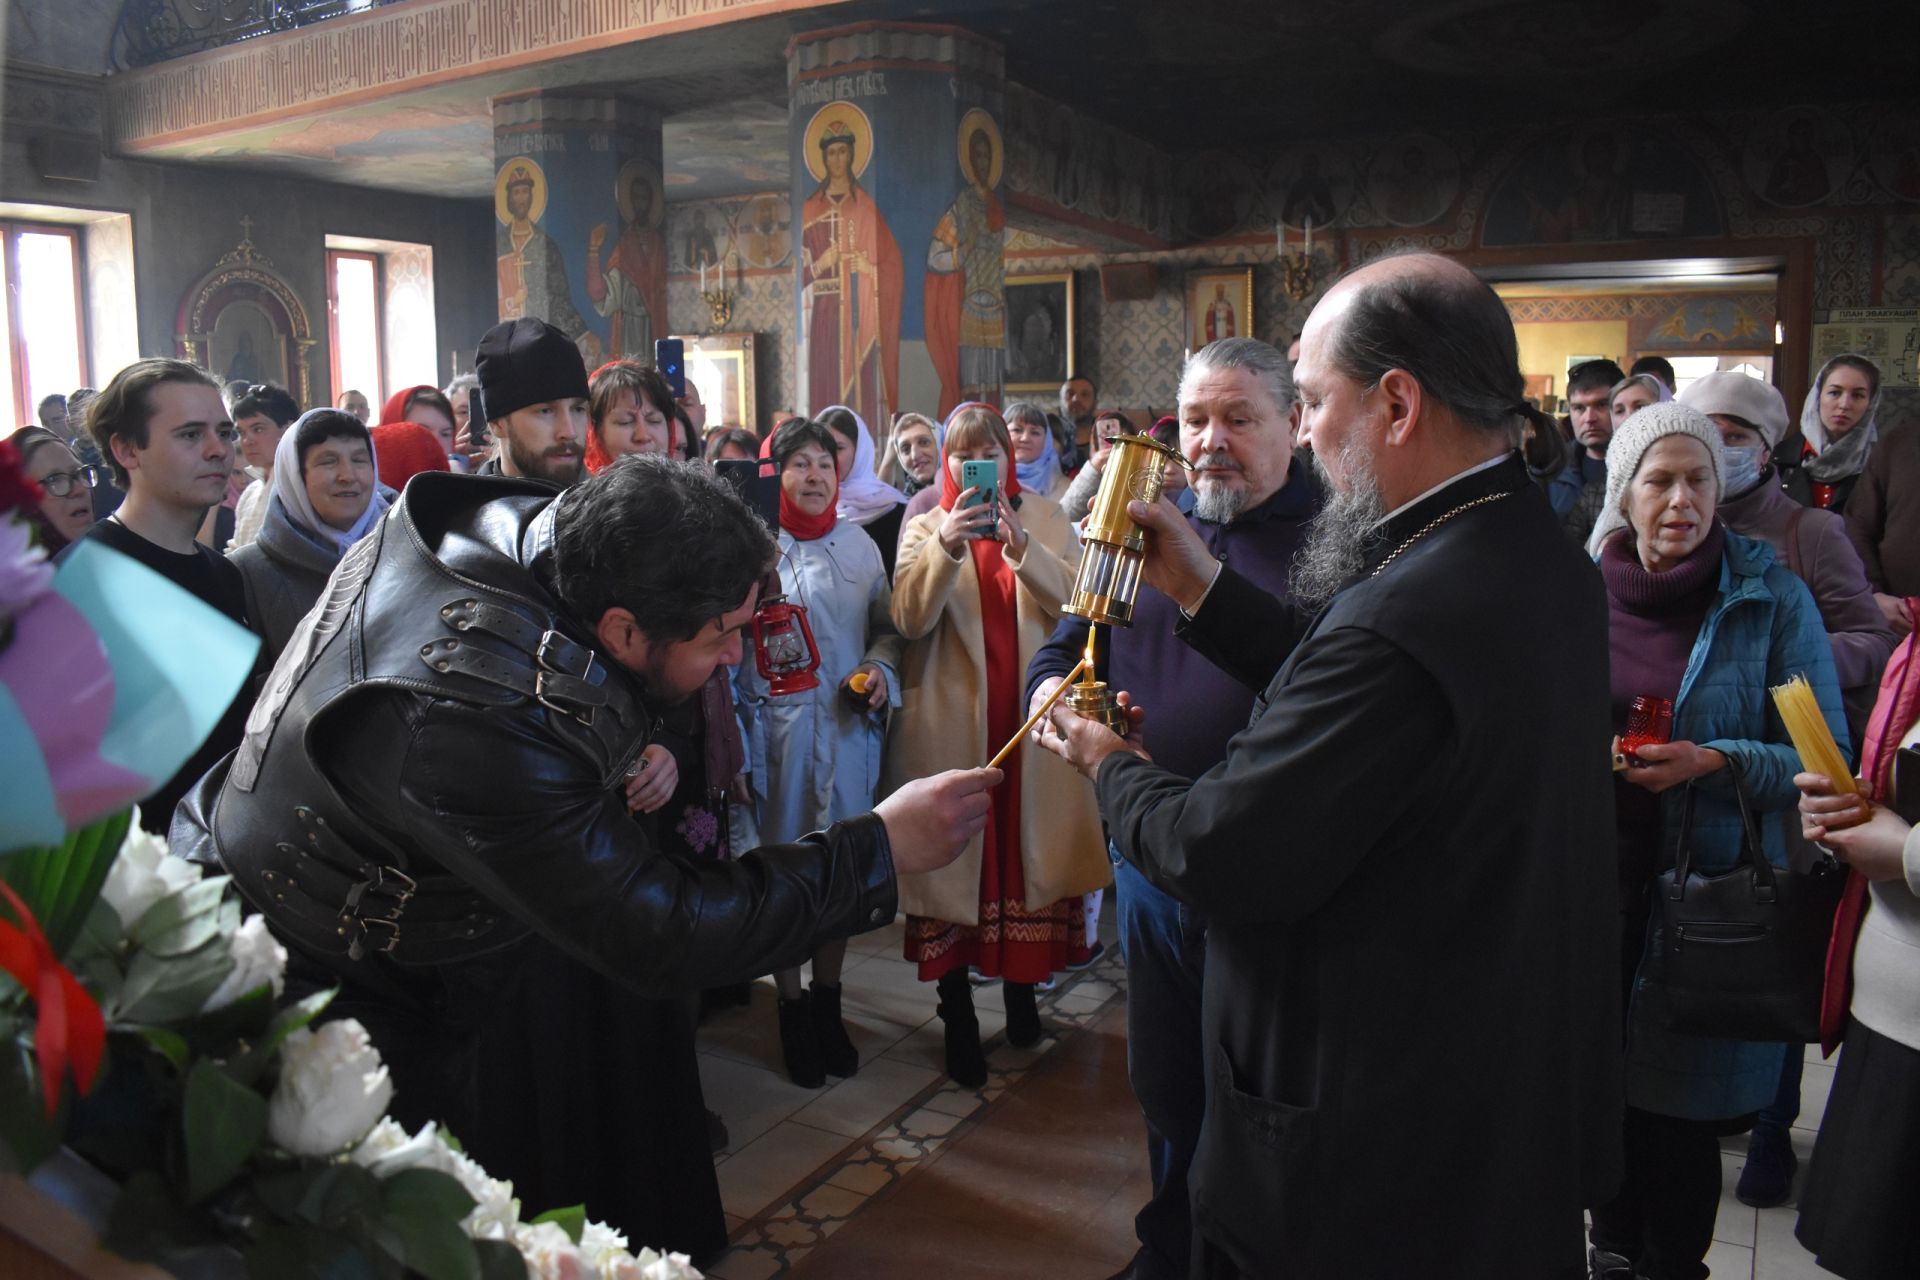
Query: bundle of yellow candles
[(1819, 753)]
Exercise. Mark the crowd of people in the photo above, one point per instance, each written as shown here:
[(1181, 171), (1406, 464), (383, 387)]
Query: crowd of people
[(633, 731)]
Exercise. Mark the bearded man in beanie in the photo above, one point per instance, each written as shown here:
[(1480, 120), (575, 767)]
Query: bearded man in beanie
[(1406, 859), (533, 385), (429, 808)]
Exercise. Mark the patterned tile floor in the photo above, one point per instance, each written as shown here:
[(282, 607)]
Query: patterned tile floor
[(1038, 1172)]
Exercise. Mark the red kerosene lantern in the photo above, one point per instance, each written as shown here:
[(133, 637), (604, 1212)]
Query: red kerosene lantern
[(783, 649)]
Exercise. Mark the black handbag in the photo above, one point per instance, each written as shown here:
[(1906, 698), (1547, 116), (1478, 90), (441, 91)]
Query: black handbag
[(1743, 954)]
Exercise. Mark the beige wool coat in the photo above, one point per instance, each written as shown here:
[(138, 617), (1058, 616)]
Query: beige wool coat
[(942, 720)]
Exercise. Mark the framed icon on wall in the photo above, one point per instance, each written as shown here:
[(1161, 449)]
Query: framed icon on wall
[(1040, 332), (1219, 305), (721, 366)]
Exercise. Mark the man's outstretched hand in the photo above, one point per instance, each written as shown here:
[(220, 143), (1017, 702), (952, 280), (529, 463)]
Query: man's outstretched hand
[(930, 820)]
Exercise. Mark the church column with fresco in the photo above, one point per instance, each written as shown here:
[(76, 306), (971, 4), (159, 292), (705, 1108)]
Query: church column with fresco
[(580, 217), (897, 161)]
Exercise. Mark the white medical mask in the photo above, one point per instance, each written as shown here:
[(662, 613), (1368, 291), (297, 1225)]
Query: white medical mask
[(1742, 468)]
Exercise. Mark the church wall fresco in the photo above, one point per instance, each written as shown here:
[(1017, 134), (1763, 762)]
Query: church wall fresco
[(897, 222)]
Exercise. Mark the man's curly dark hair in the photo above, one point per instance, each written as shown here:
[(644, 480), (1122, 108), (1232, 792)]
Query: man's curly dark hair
[(668, 541)]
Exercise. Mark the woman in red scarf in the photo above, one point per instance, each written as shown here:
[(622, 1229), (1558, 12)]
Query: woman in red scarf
[(815, 754), (977, 590), (631, 407)]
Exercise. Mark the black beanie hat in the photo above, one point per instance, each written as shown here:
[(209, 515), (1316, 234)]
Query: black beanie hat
[(527, 361)]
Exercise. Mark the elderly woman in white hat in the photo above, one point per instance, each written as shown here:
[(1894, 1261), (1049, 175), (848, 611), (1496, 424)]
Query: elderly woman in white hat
[(1706, 619)]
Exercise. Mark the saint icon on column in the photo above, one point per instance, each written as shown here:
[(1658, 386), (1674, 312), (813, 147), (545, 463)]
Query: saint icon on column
[(850, 273), (966, 311), (630, 288), (532, 272)]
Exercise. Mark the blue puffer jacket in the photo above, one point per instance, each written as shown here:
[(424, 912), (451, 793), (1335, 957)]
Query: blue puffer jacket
[(1762, 630)]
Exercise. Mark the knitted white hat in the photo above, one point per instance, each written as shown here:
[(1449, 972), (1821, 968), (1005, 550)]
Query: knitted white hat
[(1742, 396), (1631, 440)]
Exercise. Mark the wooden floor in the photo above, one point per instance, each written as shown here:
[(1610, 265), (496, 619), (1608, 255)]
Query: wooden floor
[(1044, 1184)]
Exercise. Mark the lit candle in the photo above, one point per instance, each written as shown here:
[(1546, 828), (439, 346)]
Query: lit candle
[(703, 275)]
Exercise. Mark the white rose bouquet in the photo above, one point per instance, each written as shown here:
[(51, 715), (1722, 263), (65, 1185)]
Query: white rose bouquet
[(238, 1118)]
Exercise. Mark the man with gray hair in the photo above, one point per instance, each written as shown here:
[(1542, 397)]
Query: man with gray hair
[(1250, 505), (1406, 859)]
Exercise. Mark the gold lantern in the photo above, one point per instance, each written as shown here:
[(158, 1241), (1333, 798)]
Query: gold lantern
[(1113, 545)]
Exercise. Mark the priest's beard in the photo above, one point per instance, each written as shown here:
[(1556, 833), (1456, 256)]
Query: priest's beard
[(1344, 532)]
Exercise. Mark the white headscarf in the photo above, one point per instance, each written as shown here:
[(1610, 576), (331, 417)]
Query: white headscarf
[(864, 496), (290, 484), (1846, 457), (1631, 440)]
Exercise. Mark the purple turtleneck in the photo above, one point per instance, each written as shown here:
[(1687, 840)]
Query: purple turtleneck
[(1653, 622)]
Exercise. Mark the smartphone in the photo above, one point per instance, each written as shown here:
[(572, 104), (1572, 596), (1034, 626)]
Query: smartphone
[(477, 437), (984, 474), (670, 358), (759, 491)]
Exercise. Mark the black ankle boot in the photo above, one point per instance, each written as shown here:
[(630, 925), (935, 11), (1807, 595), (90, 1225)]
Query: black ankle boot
[(799, 1044), (965, 1062), (1023, 1016), (837, 1053)]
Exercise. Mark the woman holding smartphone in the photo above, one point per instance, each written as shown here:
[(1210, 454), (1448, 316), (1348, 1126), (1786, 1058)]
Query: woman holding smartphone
[(977, 589)]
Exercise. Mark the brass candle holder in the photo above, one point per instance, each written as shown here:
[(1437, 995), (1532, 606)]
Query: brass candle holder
[(1090, 699), (1108, 582)]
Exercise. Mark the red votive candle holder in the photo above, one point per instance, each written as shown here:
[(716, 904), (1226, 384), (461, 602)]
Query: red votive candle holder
[(1649, 719)]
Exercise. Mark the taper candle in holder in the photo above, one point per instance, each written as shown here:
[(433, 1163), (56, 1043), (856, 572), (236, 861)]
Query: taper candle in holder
[(1090, 698), (1113, 545)]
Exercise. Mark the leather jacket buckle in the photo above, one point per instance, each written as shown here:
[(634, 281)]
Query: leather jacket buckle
[(552, 645), (546, 656), (542, 682), (384, 882)]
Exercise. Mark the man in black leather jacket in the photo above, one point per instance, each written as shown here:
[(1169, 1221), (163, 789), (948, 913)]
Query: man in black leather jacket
[(428, 806)]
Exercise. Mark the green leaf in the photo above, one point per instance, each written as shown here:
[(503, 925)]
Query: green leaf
[(247, 1066), (423, 1210), (500, 1260), (25, 1129), (572, 1220), (224, 1122), (167, 990), (60, 884), (300, 1252), (166, 1043), (428, 1190), (352, 1192), (184, 920)]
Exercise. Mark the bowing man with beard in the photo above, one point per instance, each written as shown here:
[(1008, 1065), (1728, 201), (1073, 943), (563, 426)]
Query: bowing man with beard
[(1250, 502), (1406, 859), (431, 807)]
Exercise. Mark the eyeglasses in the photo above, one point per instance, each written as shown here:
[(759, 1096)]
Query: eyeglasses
[(61, 483)]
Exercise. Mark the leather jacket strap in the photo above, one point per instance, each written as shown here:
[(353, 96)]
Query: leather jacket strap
[(566, 676)]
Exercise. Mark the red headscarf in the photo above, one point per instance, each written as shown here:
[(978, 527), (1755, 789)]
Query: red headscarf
[(803, 527), (395, 409), (402, 450)]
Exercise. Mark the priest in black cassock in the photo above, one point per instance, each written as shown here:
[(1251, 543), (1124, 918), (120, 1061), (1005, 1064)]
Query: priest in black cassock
[(1411, 1014)]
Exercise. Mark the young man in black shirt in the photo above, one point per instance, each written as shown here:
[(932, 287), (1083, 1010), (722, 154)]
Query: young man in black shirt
[(164, 431)]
